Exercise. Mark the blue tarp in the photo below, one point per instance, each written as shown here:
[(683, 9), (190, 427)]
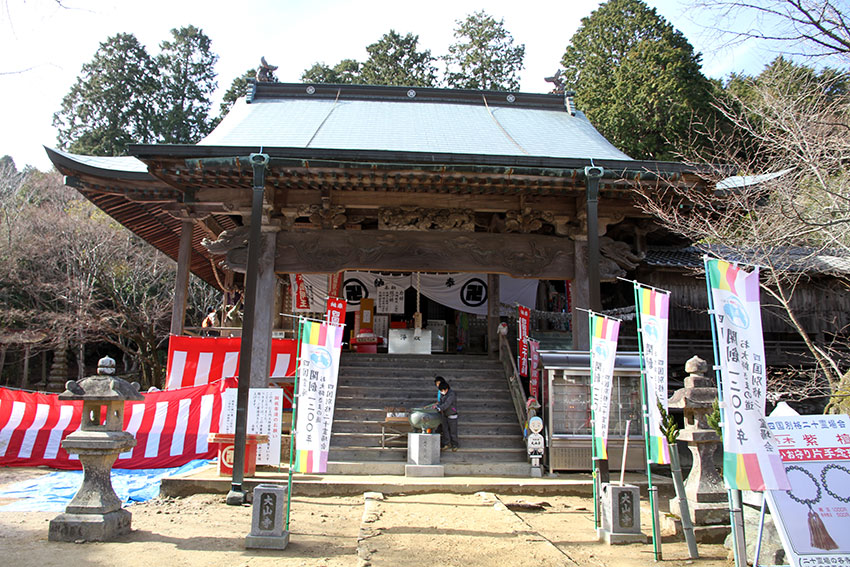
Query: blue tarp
[(52, 492)]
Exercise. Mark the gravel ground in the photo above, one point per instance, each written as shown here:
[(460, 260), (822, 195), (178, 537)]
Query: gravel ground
[(428, 529)]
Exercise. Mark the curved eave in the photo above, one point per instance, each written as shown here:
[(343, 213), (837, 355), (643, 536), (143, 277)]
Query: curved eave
[(190, 167), (148, 153), (118, 168), (140, 203)]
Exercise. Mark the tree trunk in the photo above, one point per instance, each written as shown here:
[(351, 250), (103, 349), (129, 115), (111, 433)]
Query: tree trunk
[(25, 366), (3, 348), (81, 361)]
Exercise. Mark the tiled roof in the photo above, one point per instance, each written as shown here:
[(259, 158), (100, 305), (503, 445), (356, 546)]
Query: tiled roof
[(792, 258), (388, 119), (117, 165)]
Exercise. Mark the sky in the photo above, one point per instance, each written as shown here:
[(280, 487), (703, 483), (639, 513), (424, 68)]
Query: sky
[(43, 44)]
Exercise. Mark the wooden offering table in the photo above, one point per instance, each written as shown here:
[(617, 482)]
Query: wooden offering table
[(225, 443)]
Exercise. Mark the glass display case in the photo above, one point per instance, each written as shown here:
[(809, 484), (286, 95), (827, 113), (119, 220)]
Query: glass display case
[(567, 407)]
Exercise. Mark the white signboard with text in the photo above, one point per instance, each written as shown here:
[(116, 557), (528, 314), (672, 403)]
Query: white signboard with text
[(405, 341), (265, 414), (813, 517)]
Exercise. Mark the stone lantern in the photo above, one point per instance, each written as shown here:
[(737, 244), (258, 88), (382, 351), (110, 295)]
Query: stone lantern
[(95, 513), (704, 488)]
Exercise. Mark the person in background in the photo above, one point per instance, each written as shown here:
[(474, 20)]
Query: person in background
[(209, 322), (447, 407), (437, 381)]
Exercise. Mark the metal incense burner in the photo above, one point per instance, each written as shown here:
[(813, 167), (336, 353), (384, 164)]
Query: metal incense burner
[(424, 419)]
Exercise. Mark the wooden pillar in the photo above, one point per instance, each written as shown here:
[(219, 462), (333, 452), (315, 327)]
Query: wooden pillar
[(493, 299), (580, 298), (264, 312), (592, 175), (181, 283)]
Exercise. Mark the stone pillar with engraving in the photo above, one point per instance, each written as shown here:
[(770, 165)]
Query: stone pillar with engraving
[(704, 486), (268, 526)]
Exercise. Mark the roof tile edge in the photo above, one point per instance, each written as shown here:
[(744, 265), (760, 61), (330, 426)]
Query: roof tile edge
[(272, 91)]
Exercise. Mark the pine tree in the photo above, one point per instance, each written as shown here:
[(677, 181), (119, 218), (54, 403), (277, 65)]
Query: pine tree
[(112, 104), (395, 60), (187, 82), (484, 55), (637, 79)]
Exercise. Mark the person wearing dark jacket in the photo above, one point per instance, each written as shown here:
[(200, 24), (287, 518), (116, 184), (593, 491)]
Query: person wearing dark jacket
[(448, 417)]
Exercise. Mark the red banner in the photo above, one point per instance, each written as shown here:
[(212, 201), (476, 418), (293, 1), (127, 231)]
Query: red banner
[(170, 428), (194, 361), (533, 371), (335, 312), (302, 300), (335, 284), (522, 339)]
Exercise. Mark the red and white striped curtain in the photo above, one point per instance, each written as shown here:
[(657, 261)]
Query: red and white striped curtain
[(194, 361), (170, 427)]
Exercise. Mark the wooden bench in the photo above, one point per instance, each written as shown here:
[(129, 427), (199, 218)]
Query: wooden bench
[(394, 429)]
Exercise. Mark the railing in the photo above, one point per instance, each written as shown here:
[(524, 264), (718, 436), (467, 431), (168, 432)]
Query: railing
[(512, 375)]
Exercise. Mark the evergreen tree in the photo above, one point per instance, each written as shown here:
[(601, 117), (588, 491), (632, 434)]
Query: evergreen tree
[(112, 104), (346, 71), (484, 55), (188, 80), (395, 60), (637, 79), (124, 96), (238, 88)]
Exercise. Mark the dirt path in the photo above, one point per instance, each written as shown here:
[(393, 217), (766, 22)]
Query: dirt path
[(432, 529)]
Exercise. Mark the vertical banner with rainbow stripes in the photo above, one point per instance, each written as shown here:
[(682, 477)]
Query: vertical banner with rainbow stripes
[(603, 353), (653, 308), (750, 456), (317, 378)]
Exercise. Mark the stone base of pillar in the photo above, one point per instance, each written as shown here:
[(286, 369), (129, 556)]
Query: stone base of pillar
[(424, 470), (672, 529), (90, 527), (704, 513), (267, 542), (710, 520), (619, 538)]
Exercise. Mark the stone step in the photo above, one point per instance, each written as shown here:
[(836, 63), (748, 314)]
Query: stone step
[(425, 396), (505, 427), (495, 407), (507, 469), (399, 454), (430, 360), (489, 433), (422, 366), (467, 441), (386, 379), (377, 415)]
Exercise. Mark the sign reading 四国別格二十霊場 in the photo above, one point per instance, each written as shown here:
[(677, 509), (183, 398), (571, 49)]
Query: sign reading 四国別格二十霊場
[(604, 332), (653, 310), (750, 456), (318, 370)]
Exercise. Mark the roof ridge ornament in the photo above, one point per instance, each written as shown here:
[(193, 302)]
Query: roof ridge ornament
[(557, 81), (265, 72)]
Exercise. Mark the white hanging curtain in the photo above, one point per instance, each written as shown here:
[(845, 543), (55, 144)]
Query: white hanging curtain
[(463, 292)]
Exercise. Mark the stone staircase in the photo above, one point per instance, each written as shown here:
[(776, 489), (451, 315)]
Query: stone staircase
[(490, 437)]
